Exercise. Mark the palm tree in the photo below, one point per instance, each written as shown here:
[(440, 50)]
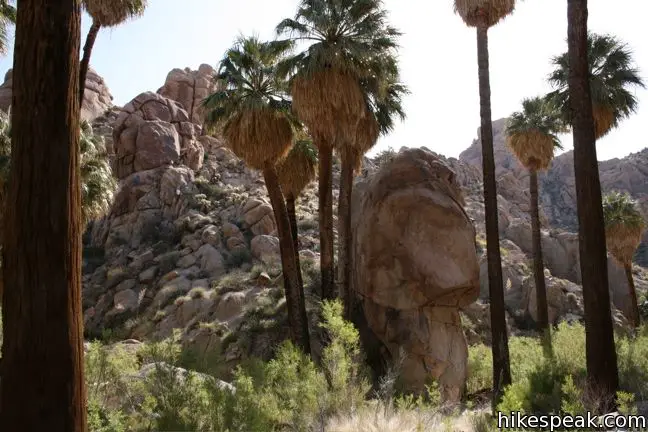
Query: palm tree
[(255, 113), (42, 353), (105, 13), (484, 14), (602, 371), (343, 38), (624, 227), (612, 74), (383, 93), (7, 17), (533, 137), (295, 172)]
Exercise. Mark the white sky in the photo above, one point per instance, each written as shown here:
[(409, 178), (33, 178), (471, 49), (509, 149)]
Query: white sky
[(438, 58)]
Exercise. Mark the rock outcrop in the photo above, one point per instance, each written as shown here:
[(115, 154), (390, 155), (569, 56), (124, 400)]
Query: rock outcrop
[(154, 131), (189, 88), (415, 265), (96, 99)]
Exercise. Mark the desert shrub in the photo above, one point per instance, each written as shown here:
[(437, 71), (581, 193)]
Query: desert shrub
[(385, 156), (480, 368), (238, 257), (234, 281), (211, 191), (632, 358)]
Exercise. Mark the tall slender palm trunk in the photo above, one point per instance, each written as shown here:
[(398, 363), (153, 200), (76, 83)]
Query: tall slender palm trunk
[(42, 387), (538, 263), (602, 372), (344, 233), (292, 218), (635, 317), (501, 363), (325, 168), (87, 52), (294, 292)]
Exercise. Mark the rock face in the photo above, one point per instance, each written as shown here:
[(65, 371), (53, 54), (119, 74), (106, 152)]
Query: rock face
[(557, 185), (189, 88), (153, 131), (415, 265), (96, 99)]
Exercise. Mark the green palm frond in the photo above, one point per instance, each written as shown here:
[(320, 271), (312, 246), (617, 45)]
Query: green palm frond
[(250, 81), (612, 75), (537, 114), (306, 146), (620, 209), (346, 35), (7, 18)]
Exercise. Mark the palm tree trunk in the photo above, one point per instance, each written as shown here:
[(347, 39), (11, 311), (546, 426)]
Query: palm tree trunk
[(325, 168), (295, 301), (635, 318), (501, 363), (602, 372), (344, 234), (87, 52), (538, 263), (42, 386), (292, 218)]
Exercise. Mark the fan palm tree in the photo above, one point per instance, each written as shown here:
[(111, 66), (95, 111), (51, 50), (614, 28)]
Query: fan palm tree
[(624, 228), (533, 137), (105, 13), (383, 93), (612, 75), (602, 370), (7, 17), (343, 37), (483, 14), (295, 172), (97, 181), (42, 313), (255, 113)]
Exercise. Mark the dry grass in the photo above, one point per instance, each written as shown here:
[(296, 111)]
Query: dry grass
[(603, 120), (623, 240), (259, 137), (380, 420), (534, 149), (330, 103), (480, 12), (110, 13)]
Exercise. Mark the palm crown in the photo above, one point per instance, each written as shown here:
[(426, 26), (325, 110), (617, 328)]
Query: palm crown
[(345, 35), (253, 105), (109, 13), (612, 73), (533, 132), (621, 209)]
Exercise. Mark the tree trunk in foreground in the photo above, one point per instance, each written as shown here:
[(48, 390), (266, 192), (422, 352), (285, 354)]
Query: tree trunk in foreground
[(292, 218), (602, 372), (43, 385), (542, 311), (344, 235), (295, 301), (87, 52), (501, 364), (325, 168), (635, 317)]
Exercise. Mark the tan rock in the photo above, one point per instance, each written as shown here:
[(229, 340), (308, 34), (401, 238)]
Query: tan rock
[(415, 264), (189, 88), (258, 215), (265, 248)]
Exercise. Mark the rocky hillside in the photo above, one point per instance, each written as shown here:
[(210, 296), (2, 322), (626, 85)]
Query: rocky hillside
[(557, 186), (190, 242)]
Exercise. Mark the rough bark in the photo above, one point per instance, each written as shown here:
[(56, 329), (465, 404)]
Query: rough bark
[(538, 263), (292, 218), (635, 318), (602, 372), (325, 168), (501, 363), (344, 235), (87, 52), (294, 292), (42, 386)]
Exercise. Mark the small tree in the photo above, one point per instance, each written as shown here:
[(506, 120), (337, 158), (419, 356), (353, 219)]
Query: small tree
[(624, 227)]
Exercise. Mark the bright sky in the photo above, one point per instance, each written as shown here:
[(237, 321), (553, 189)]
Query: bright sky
[(438, 58)]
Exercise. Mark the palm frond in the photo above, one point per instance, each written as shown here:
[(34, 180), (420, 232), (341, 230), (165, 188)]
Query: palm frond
[(487, 13), (612, 76), (109, 13)]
